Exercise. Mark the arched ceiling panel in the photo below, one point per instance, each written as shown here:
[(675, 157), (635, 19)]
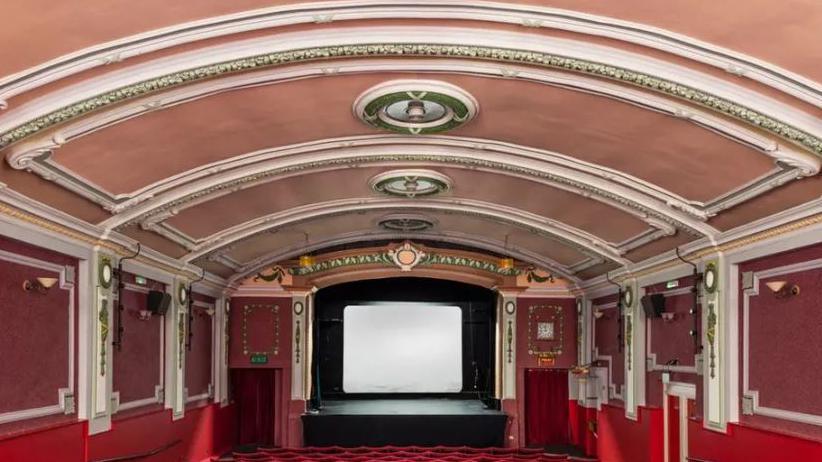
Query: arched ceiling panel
[(664, 150), (604, 221)]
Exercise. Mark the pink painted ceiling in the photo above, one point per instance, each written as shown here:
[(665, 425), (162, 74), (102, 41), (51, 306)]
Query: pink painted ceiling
[(784, 33), (669, 153)]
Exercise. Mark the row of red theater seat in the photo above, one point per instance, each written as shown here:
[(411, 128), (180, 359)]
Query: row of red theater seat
[(401, 454)]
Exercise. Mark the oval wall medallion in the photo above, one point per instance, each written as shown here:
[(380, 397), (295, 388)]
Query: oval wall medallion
[(410, 183), (406, 222), (415, 107)]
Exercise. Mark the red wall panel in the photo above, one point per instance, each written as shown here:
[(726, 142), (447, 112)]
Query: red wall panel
[(63, 443), (625, 440), (258, 331), (606, 330), (569, 332), (746, 444), (198, 358), (137, 362), (34, 332), (203, 432)]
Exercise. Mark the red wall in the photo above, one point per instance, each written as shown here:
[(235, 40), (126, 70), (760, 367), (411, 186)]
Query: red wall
[(198, 358), (260, 333), (606, 330), (34, 332), (67, 439), (747, 444), (137, 363), (204, 431), (624, 440), (784, 343)]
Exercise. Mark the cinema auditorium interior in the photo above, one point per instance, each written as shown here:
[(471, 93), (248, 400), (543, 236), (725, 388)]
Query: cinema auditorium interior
[(411, 231)]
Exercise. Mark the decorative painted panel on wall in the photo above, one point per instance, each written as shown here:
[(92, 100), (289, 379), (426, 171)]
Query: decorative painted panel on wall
[(260, 332)]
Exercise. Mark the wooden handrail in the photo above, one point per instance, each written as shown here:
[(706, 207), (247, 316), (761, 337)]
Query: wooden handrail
[(694, 459), (142, 455)]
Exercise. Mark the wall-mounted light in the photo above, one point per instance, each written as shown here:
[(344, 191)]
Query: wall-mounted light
[(306, 261), (781, 289), (599, 314), (506, 263), (668, 316), (39, 285), (142, 315)]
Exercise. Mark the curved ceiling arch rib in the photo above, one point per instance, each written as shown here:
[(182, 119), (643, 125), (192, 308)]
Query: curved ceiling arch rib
[(506, 48), (558, 231), (30, 155), (644, 201), (533, 16)]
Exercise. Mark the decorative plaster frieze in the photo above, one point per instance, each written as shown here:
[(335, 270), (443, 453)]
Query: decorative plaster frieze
[(479, 242), (613, 64), (506, 13)]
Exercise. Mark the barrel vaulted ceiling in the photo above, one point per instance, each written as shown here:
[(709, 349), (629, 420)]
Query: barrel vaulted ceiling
[(578, 137)]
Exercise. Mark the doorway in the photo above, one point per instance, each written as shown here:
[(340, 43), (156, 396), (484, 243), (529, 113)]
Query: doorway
[(675, 411)]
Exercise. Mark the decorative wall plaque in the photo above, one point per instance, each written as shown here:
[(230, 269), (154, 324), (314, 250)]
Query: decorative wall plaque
[(545, 330), (273, 349)]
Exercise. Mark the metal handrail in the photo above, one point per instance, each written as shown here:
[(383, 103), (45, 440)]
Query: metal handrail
[(143, 454), (694, 459)]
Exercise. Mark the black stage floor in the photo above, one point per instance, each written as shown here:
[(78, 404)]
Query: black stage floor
[(404, 422)]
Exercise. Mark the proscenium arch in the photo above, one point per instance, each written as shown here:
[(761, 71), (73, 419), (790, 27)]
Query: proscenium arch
[(470, 240), (568, 235), (579, 57), (504, 13)]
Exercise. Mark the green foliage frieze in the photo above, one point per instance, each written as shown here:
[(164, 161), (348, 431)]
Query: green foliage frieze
[(503, 55), (384, 258)]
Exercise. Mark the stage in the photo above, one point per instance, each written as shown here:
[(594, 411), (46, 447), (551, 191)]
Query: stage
[(404, 422)]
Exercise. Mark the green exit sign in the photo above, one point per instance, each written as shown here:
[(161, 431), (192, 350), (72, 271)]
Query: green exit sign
[(672, 284), (259, 358)]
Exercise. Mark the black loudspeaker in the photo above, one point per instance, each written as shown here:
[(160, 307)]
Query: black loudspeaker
[(653, 305), (158, 302)]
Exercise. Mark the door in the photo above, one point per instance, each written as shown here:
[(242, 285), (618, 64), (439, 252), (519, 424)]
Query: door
[(675, 403)]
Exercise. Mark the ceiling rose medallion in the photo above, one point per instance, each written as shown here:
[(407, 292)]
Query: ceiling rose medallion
[(416, 107), (410, 183), (406, 222)]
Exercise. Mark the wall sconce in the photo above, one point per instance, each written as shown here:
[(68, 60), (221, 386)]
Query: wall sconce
[(40, 285), (781, 289), (506, 263), (668, 316), (599, 314), (143, 315), (306, 261)]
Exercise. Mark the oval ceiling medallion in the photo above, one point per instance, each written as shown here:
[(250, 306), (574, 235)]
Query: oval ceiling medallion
[(410, 183), (416, 107), (406, 222)]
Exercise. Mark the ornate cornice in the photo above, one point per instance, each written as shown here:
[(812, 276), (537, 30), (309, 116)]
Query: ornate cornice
[(506, 13), (497, 54)]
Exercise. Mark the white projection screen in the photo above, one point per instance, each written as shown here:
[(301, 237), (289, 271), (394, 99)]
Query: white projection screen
[(395, 347)]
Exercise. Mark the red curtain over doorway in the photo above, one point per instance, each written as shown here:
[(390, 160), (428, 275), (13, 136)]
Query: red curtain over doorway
[(546, 407), (257, 393)]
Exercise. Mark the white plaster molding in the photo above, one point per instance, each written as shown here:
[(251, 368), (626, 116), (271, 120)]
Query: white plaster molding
[(165, 199), (34, 155), (557, 230), (67, 282), (613, 391), (804, 236), (754, 395), (506, 13), (41, 236)]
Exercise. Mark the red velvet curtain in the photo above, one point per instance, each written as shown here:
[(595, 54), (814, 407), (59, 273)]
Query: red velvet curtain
[(546, 407), (255, 391)]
